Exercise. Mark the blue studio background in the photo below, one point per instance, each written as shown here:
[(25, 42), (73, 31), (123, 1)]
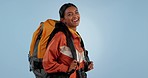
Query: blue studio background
[(115, 33)]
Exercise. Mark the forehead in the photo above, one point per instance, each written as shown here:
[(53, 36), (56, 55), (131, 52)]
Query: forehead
[(71, 9)]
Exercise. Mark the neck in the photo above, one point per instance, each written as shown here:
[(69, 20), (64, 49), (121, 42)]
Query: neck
[(73, 28)]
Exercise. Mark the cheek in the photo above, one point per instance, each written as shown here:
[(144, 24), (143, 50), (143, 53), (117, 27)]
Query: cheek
[(79, 16), (68, 20)]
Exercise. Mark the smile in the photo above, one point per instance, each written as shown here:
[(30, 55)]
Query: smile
[(75, 20)]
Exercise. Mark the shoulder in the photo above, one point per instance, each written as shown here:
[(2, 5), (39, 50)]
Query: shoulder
[(59, 38), (60, 35)]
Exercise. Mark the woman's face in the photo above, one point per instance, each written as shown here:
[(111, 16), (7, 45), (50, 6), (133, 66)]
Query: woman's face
[(71, 17)]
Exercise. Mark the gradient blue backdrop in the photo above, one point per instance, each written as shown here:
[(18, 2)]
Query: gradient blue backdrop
[(115, 33)]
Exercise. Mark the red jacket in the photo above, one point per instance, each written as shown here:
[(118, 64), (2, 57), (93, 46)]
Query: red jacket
[(58, 56)]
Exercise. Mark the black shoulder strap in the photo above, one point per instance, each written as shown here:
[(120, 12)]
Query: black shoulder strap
[(55, 30), (71, 46), (85, 54), (59, 26), (85, 51)]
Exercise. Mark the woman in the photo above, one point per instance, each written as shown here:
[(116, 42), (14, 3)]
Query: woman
[(58, 59)]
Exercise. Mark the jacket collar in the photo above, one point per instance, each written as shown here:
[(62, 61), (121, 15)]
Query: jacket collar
[(74, 33)]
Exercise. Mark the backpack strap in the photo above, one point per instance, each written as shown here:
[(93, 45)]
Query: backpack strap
[(85, 54), (59, 26), (85, 51)]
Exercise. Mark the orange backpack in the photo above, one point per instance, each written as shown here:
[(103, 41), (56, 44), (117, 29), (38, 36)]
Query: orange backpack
[(39, 43)]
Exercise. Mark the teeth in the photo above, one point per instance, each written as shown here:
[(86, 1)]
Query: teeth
[(75, 20)]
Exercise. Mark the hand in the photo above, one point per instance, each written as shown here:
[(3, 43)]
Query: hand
[(90, 66), (73, 66)]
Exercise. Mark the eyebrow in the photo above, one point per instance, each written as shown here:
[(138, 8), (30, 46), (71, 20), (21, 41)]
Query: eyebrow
[(75, 11)]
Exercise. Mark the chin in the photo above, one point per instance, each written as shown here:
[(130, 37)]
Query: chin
[(76, 24)]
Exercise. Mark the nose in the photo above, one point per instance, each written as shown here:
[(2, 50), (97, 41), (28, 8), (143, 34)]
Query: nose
[(75, 16)]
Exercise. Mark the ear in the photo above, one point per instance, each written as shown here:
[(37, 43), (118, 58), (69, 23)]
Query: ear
[(62, 20)]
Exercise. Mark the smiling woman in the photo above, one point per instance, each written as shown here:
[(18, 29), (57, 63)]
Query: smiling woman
[(59, 48), (71, 17)]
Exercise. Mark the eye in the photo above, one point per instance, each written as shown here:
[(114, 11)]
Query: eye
[(70, 14), (77, 12)]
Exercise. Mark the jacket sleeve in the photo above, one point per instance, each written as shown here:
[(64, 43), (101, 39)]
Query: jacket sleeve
[(52, 53)]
